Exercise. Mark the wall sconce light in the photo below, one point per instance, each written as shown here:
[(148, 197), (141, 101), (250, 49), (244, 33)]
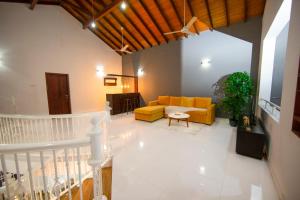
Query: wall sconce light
[(100, 71), (205, 62), (140, 72)]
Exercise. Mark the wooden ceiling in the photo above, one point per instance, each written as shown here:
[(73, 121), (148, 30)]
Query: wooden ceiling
[(145, 21)]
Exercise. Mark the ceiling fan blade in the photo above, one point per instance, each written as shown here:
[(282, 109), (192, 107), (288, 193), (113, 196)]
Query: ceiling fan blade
[(191, 22), (168, 33), (129, 52), (125, 47)]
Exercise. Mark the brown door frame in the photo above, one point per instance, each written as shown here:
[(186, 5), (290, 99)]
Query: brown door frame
[(68, 88)]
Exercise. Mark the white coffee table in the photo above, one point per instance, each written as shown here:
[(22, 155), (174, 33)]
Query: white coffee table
[(179, 116)]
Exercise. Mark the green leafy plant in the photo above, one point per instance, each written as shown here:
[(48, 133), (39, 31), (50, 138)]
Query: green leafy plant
[(238, 91)]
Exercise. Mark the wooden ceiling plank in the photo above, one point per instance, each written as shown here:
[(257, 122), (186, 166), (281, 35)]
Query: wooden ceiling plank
[(81, 19), (85, 5), (227, 13), (126, 29), (33, 3), (76, 7), (190, 8), (170, 28), (106, 10), (209, 14), (125, 15), (123, 25), (100, 4), (136, 13), (126, 40), (144, 6), (177, 15), (99, 25)]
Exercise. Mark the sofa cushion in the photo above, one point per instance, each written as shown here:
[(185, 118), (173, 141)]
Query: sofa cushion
[(202, 102), (148, 110), (174, 109), (163, 100), (175, 101), (187, 101)]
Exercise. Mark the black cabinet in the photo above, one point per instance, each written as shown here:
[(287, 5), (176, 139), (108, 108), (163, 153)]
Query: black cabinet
[(251, 143), (118, 102)]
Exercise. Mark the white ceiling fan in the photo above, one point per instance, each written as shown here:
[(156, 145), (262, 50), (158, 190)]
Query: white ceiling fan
[(186, 27), (123, 48)]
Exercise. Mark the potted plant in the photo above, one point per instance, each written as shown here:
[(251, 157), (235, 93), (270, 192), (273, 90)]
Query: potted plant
[(238, 92)]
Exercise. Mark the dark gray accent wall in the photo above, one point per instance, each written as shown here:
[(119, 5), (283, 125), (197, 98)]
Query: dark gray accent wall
[(278, 68), (166, 72), (227, 55), (162, 67)]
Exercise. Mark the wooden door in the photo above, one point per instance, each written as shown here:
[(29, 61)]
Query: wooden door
[(58, 92)]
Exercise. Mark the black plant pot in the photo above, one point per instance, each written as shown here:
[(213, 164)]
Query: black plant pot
[(233, 122)]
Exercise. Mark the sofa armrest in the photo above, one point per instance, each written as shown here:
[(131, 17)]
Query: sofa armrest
[(211, 112), (153, 103)]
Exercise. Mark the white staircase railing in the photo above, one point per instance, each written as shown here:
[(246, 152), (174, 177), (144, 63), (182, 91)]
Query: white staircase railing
[(34, 129), (46, 164)]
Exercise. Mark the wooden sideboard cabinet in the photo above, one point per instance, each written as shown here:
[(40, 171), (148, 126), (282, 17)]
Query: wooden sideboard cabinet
[(118, 102)]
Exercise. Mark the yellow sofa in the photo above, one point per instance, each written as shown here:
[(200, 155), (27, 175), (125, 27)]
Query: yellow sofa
[(200, 109)]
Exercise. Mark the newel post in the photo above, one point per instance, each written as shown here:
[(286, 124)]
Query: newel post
[(95, 160), (106, 139)]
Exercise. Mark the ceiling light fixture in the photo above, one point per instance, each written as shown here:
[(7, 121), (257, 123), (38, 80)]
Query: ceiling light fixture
[(123, 5), (93, 24)]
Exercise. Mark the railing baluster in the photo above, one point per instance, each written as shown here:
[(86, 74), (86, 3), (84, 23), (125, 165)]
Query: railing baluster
[(1, 131), (44, 124), (79, 172), (43, 174), (30, 175), (68, 128), (7, 131), (68, 173), (23, 130), (57, 132), (52, 132), (19, 130), (62, 128), (5, 175)]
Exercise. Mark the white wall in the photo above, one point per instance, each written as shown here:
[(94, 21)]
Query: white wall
[(48, 39), (284, 149)]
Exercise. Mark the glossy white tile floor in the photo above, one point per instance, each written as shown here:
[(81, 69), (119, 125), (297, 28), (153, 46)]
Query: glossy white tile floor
[(153, 161)]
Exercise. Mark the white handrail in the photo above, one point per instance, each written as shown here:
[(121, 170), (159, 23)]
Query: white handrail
[(57, 167), (18, 129)]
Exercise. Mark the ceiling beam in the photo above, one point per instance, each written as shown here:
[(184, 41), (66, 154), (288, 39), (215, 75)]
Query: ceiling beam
[(81, 19), (245, 10), (190, 8), (76, 7), (126, 40), (227, 13), (209, 14), (125, 15), (153, 20), (124, 27), (33, 3), (101, 5), (85, 10), (141, 19), (102, 13), (170, 28), (177, 15)]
